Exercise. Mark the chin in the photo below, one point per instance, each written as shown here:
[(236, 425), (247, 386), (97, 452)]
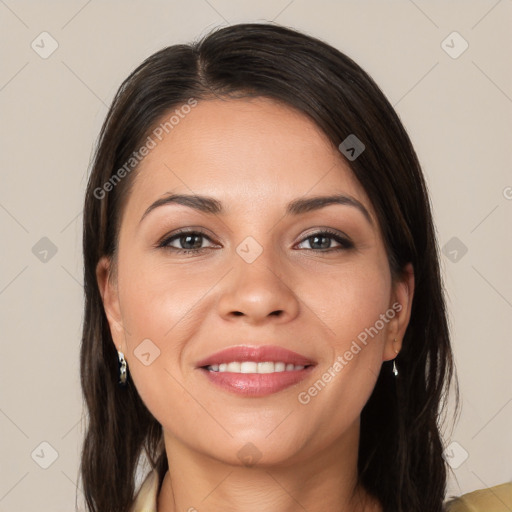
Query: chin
[(257, 451)]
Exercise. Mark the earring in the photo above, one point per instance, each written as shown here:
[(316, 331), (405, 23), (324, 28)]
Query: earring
[(122, 368), (395, 369)]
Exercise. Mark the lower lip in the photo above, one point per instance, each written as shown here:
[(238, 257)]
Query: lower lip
[(256, 384)]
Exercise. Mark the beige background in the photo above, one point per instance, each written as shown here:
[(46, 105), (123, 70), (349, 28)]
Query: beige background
[(458, 112)]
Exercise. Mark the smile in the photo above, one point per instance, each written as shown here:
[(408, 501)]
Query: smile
[(254, 367)]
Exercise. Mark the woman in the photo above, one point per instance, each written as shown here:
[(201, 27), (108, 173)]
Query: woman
[(264, 317)]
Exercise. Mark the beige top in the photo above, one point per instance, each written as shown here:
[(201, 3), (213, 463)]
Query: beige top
[(493, 499)]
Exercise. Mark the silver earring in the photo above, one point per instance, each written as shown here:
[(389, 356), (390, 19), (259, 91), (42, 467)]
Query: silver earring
[(122, 368), (395, 369)]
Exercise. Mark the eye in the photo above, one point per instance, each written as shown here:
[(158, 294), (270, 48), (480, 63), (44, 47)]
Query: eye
[(321, 241), (190, 241)]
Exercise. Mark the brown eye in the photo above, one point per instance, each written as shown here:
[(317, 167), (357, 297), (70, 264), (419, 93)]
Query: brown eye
[(190, 242), (322, 241)]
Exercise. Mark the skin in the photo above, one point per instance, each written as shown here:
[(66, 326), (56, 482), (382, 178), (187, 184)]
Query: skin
[(254, 155)]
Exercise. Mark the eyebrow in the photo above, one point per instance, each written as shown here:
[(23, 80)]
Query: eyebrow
[(213, 206)]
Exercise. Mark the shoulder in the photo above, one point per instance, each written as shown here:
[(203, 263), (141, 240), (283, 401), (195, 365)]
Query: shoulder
[(492, 499), (146, 497)]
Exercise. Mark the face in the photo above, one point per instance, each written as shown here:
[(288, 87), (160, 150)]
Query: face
[(192, 281)]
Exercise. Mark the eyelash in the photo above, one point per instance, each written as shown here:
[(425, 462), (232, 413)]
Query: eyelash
[(344, 242)]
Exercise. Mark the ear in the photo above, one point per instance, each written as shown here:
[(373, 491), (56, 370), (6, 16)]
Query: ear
[(401, 304), (108, 290)]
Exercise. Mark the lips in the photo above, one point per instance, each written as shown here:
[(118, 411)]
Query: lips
[(256, 354), (256, 384)]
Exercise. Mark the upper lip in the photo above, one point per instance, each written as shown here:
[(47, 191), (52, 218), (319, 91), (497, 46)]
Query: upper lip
[(258, 354)]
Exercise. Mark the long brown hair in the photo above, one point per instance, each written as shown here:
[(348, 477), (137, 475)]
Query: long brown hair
[(401, 452)]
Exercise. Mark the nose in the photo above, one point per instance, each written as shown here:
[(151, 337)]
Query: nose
[(258, 292)]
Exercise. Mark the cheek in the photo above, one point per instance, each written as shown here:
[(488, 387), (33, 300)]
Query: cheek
[(353, 310), (352, 300), (155, 298), (154, 310), (159, 304)]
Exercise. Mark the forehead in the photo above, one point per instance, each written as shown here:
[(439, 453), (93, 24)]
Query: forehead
[(249, 153)]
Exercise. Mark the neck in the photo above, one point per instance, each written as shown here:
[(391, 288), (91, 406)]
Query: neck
[(196, 482)]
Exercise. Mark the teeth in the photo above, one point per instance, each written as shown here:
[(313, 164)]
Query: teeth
[(248, 367), (253, 367), (233, 367), (279, 367)]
